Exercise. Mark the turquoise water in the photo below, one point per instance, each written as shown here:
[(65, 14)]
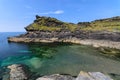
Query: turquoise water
[(55, 58)]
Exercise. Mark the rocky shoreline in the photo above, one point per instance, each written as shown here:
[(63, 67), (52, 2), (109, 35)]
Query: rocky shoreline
[(94, 43), (49, 30), (95, 39), (22, 72)]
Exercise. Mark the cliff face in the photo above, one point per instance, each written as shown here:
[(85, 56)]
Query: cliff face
[(47, 27), (76, 34)]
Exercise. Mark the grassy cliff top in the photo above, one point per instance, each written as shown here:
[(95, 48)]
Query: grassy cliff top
[(108, 24), (52, 24), (49, 24)]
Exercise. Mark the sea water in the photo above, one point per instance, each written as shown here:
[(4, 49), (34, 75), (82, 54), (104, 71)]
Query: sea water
[(55, 58)]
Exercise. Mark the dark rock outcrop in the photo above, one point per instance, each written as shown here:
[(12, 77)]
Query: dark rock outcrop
[(84, 24), (66, 34)]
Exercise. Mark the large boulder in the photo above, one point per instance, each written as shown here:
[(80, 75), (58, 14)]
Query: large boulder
[(92, 76), (18, 72)]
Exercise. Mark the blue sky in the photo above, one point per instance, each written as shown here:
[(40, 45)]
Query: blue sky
[(17, 14)]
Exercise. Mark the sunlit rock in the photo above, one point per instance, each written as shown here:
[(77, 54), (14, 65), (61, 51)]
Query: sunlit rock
[(92, 76), (18, 72), (56, 77)]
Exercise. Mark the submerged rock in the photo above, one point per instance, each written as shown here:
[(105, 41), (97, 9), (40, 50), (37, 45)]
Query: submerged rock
[(18, 72)]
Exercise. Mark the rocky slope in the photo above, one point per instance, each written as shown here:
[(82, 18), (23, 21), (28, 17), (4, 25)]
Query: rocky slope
[(47, 29)]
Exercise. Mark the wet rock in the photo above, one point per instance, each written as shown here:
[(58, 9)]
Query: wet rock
[(92, 76), (56, 77), (18, 72)]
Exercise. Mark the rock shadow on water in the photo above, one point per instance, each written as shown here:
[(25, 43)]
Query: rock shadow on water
[(43, 50)]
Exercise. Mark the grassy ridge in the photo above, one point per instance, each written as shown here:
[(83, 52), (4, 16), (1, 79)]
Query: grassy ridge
[(109, 24), (52, 24), (103, 26)]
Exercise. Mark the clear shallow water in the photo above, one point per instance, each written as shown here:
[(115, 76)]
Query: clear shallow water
[(55, 58)]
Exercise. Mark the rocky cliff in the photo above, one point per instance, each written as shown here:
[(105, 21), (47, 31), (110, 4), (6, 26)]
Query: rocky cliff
[(53, 24), (47, 29), (49, 24)]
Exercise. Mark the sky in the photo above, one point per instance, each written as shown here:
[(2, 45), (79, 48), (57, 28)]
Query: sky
[(17, 14)]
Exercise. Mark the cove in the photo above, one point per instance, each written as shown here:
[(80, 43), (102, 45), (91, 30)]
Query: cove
[(59, 58)]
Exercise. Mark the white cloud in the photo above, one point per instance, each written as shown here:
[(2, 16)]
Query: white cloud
[(53, 12), (28, 7), (59, 12)]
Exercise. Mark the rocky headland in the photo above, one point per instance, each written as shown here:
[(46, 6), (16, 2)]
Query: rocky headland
[(98, 33)]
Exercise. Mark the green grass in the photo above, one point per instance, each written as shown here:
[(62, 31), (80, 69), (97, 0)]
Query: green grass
[(38, 27), (113, 26), (52, 24)]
